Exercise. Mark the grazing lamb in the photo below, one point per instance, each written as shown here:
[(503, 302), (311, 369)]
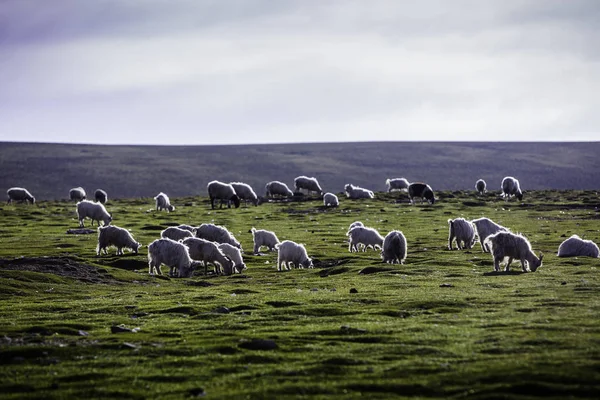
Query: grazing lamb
[(394, 248), (291, 252), (101, 196), (510, 187), (216, 233), (93, 211), (397, 184), (209, 252), (262, 237), (422, 190), (245, 192), (188, 228), (330, 200), (235, 255), (511, 246), (276, 188), (163, 202), (120, 238), (175, 233), (369, 237), (77, 193), (485, 227), (461, 230), (222, 192), (19, 194), (480, 186), (309, 184), (356, 192), (354, 224), (173, 254), (578, 247)]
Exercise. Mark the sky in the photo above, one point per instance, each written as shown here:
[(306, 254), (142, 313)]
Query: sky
[(261, 71)]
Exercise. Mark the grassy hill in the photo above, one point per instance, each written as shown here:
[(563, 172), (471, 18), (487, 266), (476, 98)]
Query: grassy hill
[(50, 170)]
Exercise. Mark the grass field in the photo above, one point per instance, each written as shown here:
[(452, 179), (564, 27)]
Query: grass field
[(441, 325)]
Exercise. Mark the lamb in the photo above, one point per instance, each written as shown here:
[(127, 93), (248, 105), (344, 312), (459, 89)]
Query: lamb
[(422, 190), (461, 230), (276, 188), (235, 255), (222, 192), (291, 252), (485, 227), (369, 237), (354, 224), (173, 254), (94, 211), (175, 233), (356, 192), (394, 248), (508, 245), (101, 196), (330, 200), (163, 202), (245, 192), (262, 237), (577, 247), (397, 184), (209, 252), (120, 238), (510, 187), (216, 233), (310, 184), (19, 194), (480, 186), (77, 193)]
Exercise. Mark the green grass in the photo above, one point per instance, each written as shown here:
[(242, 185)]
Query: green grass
[(441, 325)]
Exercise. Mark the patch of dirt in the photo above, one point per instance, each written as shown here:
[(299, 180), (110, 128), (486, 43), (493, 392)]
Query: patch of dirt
[(62, 266)]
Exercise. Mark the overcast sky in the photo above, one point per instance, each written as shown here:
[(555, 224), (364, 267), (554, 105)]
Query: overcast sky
[(263, 71)]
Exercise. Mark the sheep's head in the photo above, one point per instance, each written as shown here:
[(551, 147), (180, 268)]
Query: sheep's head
[(520, 196), (307, 263), (171, 208), (536, 263), (236, 200), (136, 247), (240, 267)]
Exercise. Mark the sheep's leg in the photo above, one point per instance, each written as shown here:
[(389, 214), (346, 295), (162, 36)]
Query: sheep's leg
[(212, 203), (524, 265), (450, 239), (497, 264), (507, 267), (150, 268), (256, 249)]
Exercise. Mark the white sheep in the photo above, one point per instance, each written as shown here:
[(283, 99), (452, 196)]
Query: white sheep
[(235, 255), (309, 184), (223, 192), (188, 228), (276, 188), (163, 202), (263, 237), (356, 192), (394, 248), (485, 227), (120, 238), (77, 193), (19, 194), (173, 254), (209, 253), (511, 187), (330, 200), (421, 190), (217, 233), (245, 192), (396, 184), (93, 211), (354, 224), (461, 230), (577, 247), (480, 186), (291, 252), (369, 237), (101, 196), (176, 233), (508, 245)]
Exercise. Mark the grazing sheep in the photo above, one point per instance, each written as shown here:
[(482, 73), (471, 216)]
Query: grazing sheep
[(173, 254), (369, 237), (188, 228), (19, 194), (93, 211), (578, 247), (101, 196), (77, 193), (330, 200), (461, 230), (397, 184), (356, 192), (309, 184), (120, 238), (262, 237), (422, 190), (291, 252), (175, 233), (354, 224), (510, 187), (245, 192), (394, 248), (163, 202), (276, 188), (511, 246), (485, 227), (222, 192), (209, 252), (235, 255), (480, 186), (216, 233)]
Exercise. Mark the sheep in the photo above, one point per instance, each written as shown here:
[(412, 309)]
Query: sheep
[(485, 227), (77, 193), (262, 237), (397, 184), (101, 196), (163, 202), (94, 211), (173, 254), (222, 191), (209, 252), (175, 233), (577, 247), (330, 200), (480, 186), (461, 230), (510, 187), (188, 228), (291, 252), (354, 224), (356, 192), (508, 245), (422, 190), (19, 194), (235, 255), (274, 188), (310, 184), (112, 235), (369, 237), (245, 192), (216, 233), (394, 248)]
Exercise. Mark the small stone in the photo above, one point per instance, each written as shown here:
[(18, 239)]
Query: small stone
[(563, 283), (197, 392), (119, 329), (221, 310), (353, 290), (83, 333), (446, 285), (314, 290)]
